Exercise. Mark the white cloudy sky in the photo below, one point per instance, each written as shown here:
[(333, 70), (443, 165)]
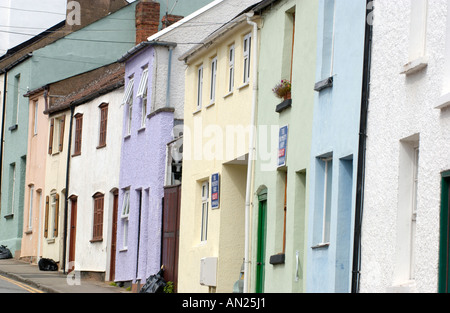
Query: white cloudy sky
[(20, 20)]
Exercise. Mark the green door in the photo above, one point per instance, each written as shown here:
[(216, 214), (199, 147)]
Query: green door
[(261, 252), (444, 235)]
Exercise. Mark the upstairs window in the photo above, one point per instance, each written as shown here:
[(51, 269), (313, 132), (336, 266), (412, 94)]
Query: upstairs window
[(199, 86), (56, 140), (103, 124), (231, 55), (247, 57), (205, 205), (142, 93), (78, 134), (128, 100), (212, 97)]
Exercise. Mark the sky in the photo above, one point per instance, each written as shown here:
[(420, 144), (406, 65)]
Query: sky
[(21, 20)]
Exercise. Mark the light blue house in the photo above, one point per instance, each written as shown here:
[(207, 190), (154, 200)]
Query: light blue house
[(335, 145)]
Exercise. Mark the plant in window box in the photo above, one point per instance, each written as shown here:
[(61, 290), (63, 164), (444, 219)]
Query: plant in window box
[(283, 89)]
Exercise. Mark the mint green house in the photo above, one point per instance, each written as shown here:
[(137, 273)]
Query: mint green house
[(284, 129)]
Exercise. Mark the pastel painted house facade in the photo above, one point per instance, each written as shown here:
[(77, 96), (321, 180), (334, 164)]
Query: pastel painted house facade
[(51, 61), (279, 222), (153, 106), (335, 146), (405, 224), (219, 83)]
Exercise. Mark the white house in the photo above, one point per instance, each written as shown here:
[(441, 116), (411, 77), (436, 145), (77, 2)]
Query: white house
[(404, 230)]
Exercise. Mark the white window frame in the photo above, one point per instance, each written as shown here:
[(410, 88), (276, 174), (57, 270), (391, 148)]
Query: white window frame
[(414, 210), (212, 96), (125, 211), (326, 230), (30, 209), (18, 98), (13, 187), (129, 113), (205, 211), (144, 107), (143, 83), (36, 113), (199, 87), (128, 91), (52, 216), (418, 29), (247, 46), (231, 58)]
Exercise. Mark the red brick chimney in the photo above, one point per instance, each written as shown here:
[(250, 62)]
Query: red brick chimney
[(147, 19), (170, 19)]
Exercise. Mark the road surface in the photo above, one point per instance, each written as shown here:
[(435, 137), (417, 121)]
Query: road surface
[(8, 285)]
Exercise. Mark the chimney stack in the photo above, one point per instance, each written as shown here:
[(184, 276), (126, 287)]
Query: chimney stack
[(147, 19), (170, 19)]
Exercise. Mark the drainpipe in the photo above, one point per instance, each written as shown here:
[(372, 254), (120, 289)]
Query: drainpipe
[(66, 195), (252, 148), (356, 271)]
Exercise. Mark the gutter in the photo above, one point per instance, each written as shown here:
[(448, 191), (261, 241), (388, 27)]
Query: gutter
[(136, 49), (251, 151), (356, 271)]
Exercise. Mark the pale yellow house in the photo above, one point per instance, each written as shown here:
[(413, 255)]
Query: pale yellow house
[(218, 117)]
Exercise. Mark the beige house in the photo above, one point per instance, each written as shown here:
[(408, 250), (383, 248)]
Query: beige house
[(35, 178)]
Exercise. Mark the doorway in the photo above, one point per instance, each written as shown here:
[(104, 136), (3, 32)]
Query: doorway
[(73, 232), (261, 247), (112, 267)]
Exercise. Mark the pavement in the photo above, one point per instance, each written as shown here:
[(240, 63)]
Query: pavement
[(53, 282)]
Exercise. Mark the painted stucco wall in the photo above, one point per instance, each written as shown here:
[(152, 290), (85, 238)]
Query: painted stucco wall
[(274, 65), (399, 107), (98, 44), (205, 153), (142, 168), (35, 176), (335, 134), (14, 151), (96, 170)]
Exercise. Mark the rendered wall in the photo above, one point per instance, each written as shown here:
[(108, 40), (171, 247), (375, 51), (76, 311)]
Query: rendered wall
[(272, 69), (336, 133), (14, 151), (96, 170), (35, 175), (402, 106)]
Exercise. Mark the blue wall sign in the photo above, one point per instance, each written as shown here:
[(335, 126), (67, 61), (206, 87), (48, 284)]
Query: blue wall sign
[(215, 197), (282, 148)]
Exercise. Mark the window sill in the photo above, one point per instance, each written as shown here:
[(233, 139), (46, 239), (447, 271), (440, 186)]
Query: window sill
[(123, 250), (101, 146), (55, 153), (324, 84), (29, 232), (50, 241), (443, 102), (286, 104), (14, 127), (277, 259), (127, 137), (197, 111), (321, 245), (406, 287), (96, 240), (9, 216), (228, 94), (244, 86), (140, 130), (210, 105), (75, 155), (415, 66)]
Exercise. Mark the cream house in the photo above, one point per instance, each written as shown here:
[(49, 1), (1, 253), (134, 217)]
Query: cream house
[(218, 109)]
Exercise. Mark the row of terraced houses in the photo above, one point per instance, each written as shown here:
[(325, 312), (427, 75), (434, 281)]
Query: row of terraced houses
[(143, 139)]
